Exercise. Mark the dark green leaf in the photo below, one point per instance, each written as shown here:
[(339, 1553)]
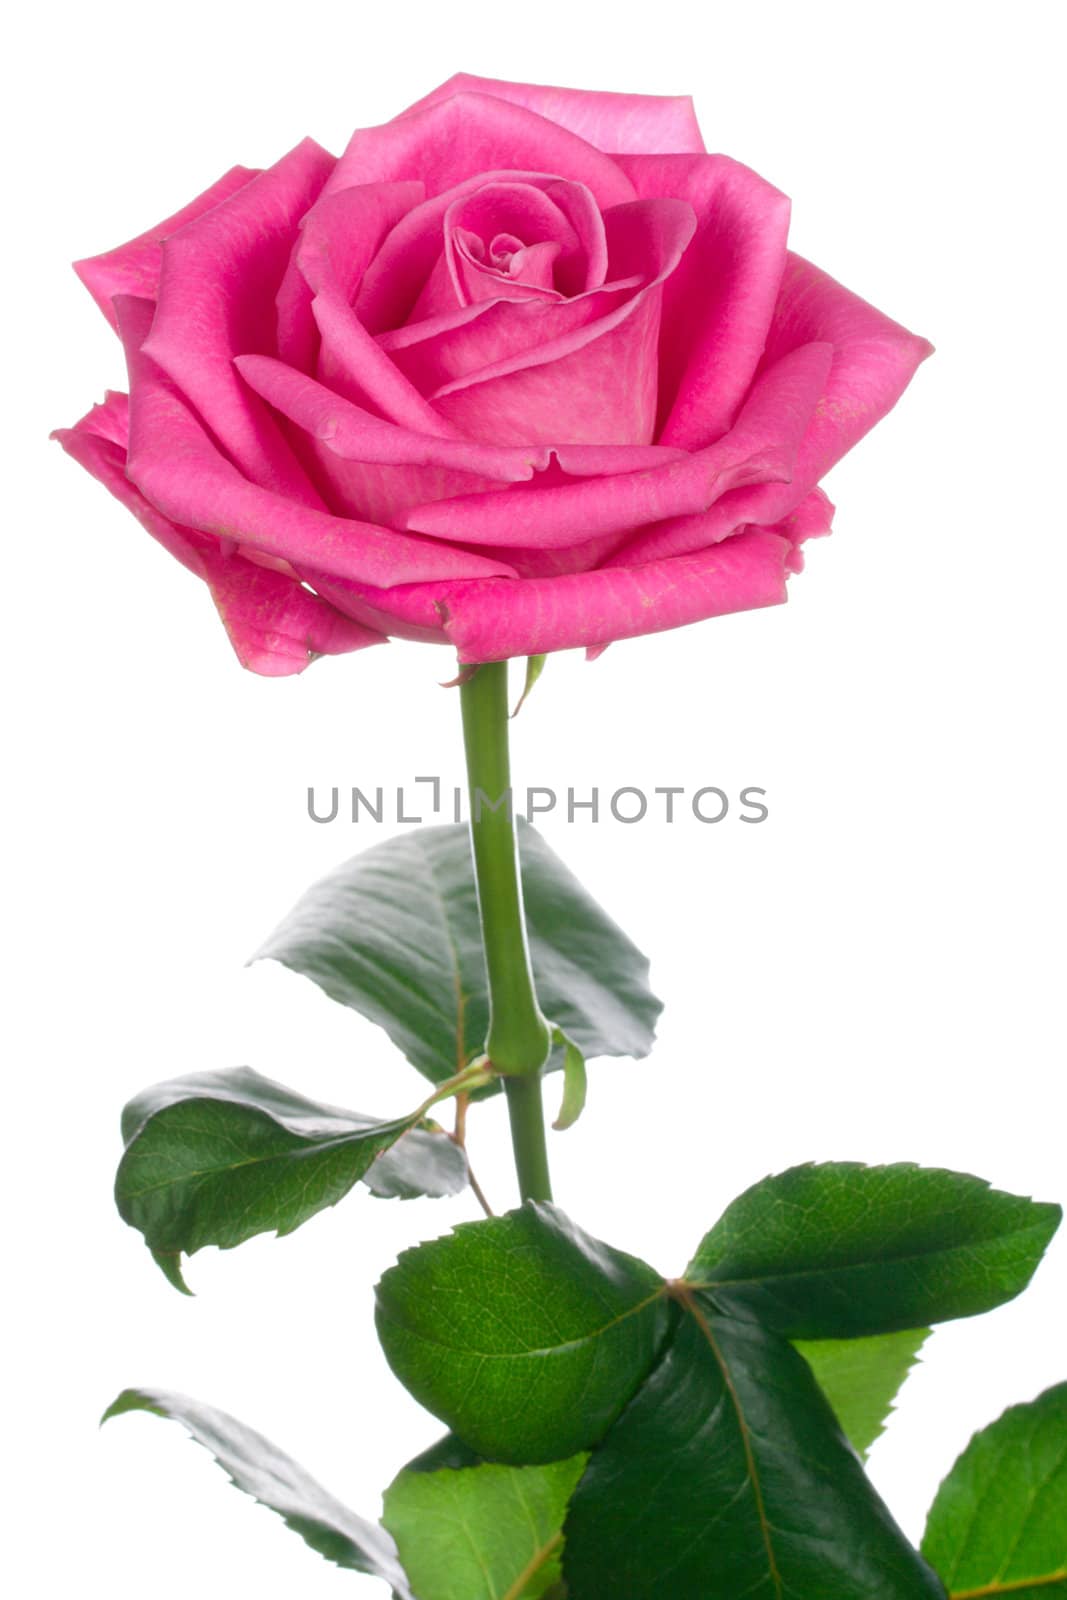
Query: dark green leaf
[(843, 1250), (522, 1333), (262, 1471), (999, 1523), (216, 1157), (394, 933), (169, 1263), (862, 1377), (727, 1476), (483, 1533)]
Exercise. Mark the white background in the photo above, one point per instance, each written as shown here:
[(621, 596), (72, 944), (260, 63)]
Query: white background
[(872, 974)]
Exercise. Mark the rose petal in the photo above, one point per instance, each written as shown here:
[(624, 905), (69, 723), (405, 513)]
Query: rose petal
[(556, 563), (528, 275), (337, 239), (408, 611), (635, 122), (596, 384), (761, 447), (718, 305), (475, 133), (492, 620), (588, 266), (353, 447), (876, 357), (569, 462), (177, 467), (812, 519), (874, 361), (471, 339), (357, 435), (275, 625), (396, 283), (596, 387), (134, 267), (340, 236), (109, 420), (92, 444), (373, 469), (519, 209), (216, 295), (535, 214), (601, 460)]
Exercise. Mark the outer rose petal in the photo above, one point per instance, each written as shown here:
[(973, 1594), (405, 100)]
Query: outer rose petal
[(874, 361), (357, 435), (876, 358), (492, 620), (109, 420), (406, 612), (761, 448), (717, 306), (134, 267), (637, 122), (445, 143), (275, 625), (216, 300), (548, 562), (178, 469), (373, 469), (378, 470), (812, 519)]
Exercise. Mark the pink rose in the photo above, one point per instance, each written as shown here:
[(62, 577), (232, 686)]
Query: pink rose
[(524, 369)]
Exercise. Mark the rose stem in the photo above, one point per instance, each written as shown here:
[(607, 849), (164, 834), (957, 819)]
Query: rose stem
[(519, 1039)]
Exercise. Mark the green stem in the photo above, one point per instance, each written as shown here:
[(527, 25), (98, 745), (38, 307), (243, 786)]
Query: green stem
[(528, 1137), (519, 1039)]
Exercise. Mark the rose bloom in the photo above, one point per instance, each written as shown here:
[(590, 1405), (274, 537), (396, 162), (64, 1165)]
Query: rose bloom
[(524, 369)]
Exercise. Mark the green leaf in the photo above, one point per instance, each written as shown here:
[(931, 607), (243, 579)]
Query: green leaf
[(216, 1157), (842, 1250), (862, 1377), (727, 1476), (522, 1333), (394, 934), (483, 1533), (574, 1082), (169, 1263), (277, 1482), (999, 1523)]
